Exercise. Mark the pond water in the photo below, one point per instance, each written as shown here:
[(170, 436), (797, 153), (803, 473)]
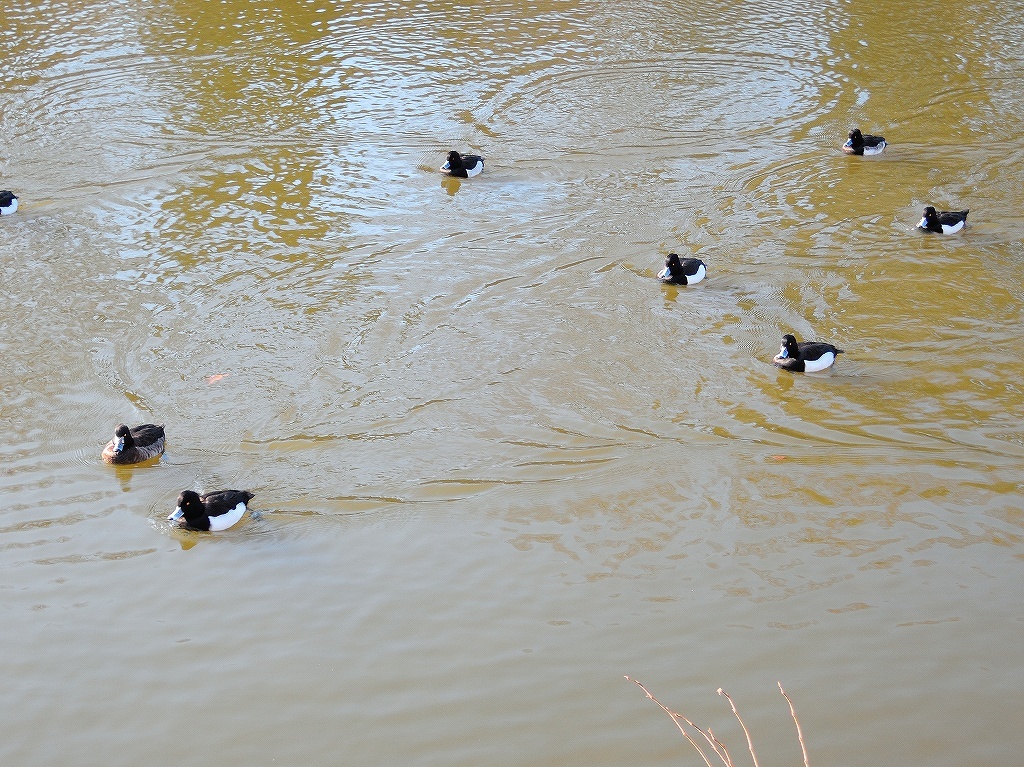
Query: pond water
[(498, 466)]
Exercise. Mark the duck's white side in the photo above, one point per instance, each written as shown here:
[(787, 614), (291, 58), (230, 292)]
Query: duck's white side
[(218, 523), (471, 171), (823, 362), (228, 519), (946, 228)]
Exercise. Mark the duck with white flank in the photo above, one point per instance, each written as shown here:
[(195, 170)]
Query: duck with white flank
[(943, 222), (463, 165), (861, 144), (8, 203), (134, 445), (806, 356), (212, 511), (682, 271)]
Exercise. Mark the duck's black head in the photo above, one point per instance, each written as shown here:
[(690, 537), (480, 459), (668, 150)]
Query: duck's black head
[(931, 219), (673, 264), (856, 137), (192, 509), (456, 167), (123, 438), (789, 347)]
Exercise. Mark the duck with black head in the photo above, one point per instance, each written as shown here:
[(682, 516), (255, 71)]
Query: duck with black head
[(682, 271), (135, 445), (860, 144), (463, 165), (806, 356), (8, 203), (944, 221), (211, 512)]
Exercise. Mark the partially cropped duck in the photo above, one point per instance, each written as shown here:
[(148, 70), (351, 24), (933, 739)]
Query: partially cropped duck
[(212, 511), (806, 356), (8, 203), (944, 221), (682, 271), (858, 143), (463, 165), (134, 445)]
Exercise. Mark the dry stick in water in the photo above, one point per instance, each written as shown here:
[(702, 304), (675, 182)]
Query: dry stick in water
[(675, 719), (799, 734), (717, 745), (750, 743)]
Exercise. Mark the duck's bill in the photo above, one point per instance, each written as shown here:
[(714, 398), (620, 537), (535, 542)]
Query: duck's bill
[(922, 224), (849, 143), (175, 515), (783, 354), (446, 167), (119, 445)]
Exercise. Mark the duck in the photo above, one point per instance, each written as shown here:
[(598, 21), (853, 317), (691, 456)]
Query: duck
[(134, 445), (861, 144), (211, 512), (8, 202), (682, 271), (463, 165), (805, 357), (943, 222)]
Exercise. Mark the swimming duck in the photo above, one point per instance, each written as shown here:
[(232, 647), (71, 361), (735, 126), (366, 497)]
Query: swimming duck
[(861, 144), (134, 445), (463, 165), (943, 222), (805, 357), (212, 511), (8, 203), (682, 271)]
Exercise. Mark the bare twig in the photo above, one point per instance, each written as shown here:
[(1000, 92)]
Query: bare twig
[(720, 749), (750, 743), (675, 718), (799, 734)]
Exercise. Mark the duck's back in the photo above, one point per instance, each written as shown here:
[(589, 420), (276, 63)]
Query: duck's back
[(225, 508), (224, 500), (148, 434)]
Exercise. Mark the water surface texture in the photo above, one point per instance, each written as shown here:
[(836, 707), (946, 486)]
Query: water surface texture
[(498, 465)]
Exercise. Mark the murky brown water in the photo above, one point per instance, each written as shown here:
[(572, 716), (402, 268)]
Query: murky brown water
[(497, 465)]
